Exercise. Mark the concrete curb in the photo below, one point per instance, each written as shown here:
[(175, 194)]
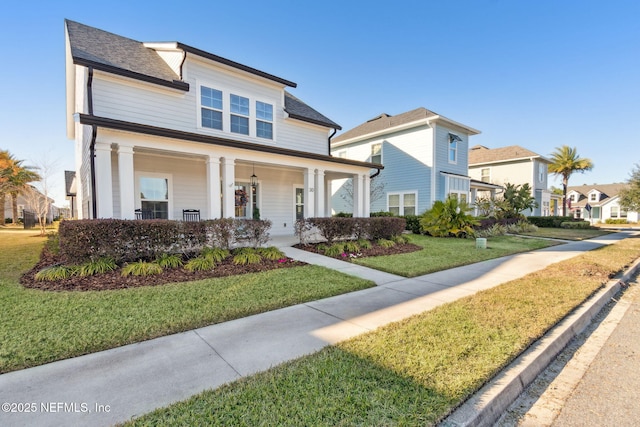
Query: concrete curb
[(493, 399)]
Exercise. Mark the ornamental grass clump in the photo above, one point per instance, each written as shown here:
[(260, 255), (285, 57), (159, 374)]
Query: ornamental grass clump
[(364, 243), (201, 263), (141, 268), (216, 254), (351, 246), (386, 243), (99, 266), (271, 253), (56, 272), (169, 261), (245, 256), (334, 250)]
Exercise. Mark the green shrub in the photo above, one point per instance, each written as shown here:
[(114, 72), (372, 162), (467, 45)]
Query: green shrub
[(169, 261), (245, 256), (335, 250), (616, 221), (351, 246), (271, 253), (413, 223), (216, 254), (380, 214), (549, 221), (521, 227), (57, 272), (343, 215), (386, 243), (576, 224), (52, 244), (449, 218), (141, 268), (99, 266), (200, 263), (364, 243), (494, 230), (321, 247), (400, 239)]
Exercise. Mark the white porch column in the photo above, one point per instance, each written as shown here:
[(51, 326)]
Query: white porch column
[(104, 189), (309, 193), (320, 193), (228, 190), (366, 193), (214, 193), (357, 196), (127, 184), (472, 202), (328, 185)]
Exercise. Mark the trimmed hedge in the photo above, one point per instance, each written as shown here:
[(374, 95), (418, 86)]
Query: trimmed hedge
[(413, 223), (487, 223), (575, 224), (340, 228), (615, 221), (549, 221), (128, 241)]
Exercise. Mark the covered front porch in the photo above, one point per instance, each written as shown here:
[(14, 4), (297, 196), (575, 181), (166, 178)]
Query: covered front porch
[(164, 177)]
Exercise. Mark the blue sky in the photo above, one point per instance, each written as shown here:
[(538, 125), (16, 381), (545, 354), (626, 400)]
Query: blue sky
[(538, 74)]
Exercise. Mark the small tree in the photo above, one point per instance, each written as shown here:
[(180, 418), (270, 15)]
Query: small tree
[(449, 218), (630, 196), (376, 190), (518, 198), (564, 162)]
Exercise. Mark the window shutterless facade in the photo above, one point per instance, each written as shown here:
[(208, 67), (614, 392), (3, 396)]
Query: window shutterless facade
[(485, 175), (239, 114), (264, 120), (211, 108), (376, 154), (154, 196), (402, 203)]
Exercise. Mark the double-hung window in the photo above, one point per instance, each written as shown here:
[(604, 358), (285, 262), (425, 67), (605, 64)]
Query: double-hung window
[(264, 120), (485, 175), (402, 203), (239, 114), (211, 107), (376, 154)]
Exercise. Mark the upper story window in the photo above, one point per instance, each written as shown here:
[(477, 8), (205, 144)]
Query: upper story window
[(593, 197), (485, 175), (239, 114), (542, 171), (376, 154), (453, 147), (211, 110), (264, 120)]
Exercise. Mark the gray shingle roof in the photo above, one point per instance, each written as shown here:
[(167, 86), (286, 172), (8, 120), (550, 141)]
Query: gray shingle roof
[(481, 154), (384, 121), (301, 111), (111, 52), (607, 192)]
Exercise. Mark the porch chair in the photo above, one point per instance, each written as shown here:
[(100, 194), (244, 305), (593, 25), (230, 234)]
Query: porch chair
[(191, 214), (144, 214)]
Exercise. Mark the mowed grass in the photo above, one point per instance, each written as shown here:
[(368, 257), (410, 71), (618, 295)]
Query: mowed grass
[(567, 233), (413, 372), (39, 326), (442, 253)]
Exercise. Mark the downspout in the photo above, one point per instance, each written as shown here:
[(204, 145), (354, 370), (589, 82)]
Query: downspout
[(375, 174), (92, 146), (329, 140)]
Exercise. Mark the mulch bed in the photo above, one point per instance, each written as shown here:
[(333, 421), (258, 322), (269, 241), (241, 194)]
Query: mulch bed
[(114, 279), (376, 250)]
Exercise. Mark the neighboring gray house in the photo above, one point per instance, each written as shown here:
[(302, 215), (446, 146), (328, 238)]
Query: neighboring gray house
[(424, 156), (602, 200), (514, 165), (161, 128)]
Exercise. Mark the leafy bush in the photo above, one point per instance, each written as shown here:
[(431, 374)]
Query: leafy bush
[(256, 232), (381, 214), (616, 221), (364, 243), (343, 215), (449, 218), (549, 221), (334, 228), (244, 256), (400, 239), (216, 254), (413, 223), (576, 224), (56, 272), (271, 253), (99, 266), (169, 261), (141, 268), (201, 263), (334, 250), (385, 227), (303, 229), (496, 229), (223, 233), (521, 227), (386, 243)]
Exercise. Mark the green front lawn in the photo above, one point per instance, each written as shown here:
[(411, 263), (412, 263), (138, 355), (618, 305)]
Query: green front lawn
[(409, 373), (442, 253), (567, 233), (40, 326)]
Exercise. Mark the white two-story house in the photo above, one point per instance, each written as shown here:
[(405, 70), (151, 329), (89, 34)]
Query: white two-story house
[(160, 128), (424, 155), (598, 202), (514, 165)]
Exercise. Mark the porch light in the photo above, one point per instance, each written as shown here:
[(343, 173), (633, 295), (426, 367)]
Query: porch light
[(254, 178)]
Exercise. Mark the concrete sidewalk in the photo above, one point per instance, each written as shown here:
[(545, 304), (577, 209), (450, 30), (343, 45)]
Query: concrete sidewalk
[(114, 385)]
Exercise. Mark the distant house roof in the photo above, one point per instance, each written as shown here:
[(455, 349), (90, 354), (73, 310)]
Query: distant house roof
[(607, 192), (480, 154), (111, 53), (385, 121)]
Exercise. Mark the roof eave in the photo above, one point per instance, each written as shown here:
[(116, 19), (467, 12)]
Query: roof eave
[(315, 122), (404, 126)]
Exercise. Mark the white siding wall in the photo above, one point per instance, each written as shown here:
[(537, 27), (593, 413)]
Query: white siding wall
[(125, 99), (513, 173)]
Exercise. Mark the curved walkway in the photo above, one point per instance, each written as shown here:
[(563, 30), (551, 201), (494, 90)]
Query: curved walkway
[(114, 385)]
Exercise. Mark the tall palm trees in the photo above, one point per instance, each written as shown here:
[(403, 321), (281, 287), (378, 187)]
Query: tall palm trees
[(564, 162), (13, 179)]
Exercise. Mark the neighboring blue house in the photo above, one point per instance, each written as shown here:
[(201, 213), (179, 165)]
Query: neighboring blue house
[(425, 158)]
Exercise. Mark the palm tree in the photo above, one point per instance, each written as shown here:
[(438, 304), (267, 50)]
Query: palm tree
[(564, 162), (13, 179)]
